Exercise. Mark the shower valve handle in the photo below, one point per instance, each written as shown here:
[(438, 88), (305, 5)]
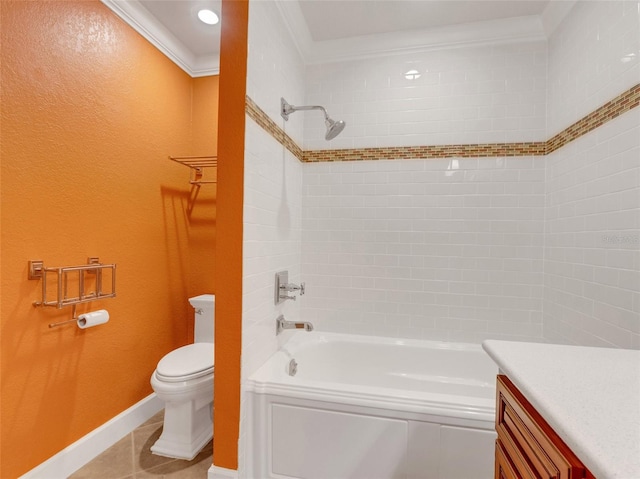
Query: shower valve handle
[(289, 287)]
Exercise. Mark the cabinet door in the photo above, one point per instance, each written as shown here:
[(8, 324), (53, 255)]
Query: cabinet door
[(525, 434), (504, 468)]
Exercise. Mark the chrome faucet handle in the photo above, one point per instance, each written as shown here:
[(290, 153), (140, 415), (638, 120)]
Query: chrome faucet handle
[(293, 287)]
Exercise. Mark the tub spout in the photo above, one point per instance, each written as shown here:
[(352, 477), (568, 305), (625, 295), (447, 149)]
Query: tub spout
[(282, 324)]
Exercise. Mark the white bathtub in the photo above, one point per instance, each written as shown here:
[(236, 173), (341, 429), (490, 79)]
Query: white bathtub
[(368, 408)]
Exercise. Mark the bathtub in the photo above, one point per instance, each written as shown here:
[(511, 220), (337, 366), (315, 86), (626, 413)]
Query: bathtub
[(362, 407)]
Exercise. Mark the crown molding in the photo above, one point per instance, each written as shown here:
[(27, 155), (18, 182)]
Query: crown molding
[(136, 16), (511, 30), (205, 66)]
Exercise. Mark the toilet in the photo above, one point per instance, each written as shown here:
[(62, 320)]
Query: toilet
[(183, 380)]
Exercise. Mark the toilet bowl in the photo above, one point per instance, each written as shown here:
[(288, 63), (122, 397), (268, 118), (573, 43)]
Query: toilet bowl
[(183, 380)]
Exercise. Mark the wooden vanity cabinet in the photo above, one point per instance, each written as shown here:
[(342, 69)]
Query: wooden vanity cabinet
[(527, 447)]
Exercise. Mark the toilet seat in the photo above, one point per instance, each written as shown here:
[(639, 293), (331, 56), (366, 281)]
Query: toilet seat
[(186, 363)]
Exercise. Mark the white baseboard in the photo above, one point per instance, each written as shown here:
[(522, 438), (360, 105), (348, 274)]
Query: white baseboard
[(216, 472), (87, 448)]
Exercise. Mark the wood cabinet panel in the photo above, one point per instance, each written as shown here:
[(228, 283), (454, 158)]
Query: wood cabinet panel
[(527, 443), (504, 468)]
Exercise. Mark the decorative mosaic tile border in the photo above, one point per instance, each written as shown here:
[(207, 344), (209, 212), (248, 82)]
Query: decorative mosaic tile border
[(268, 125), (427, 152), (616, 107), (610, 110)]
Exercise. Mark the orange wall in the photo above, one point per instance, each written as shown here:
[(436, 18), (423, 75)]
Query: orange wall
[(90, 111), (233, 73), (202, 217)]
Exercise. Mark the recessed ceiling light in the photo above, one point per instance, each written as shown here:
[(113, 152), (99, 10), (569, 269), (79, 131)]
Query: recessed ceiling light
[(208, 16)]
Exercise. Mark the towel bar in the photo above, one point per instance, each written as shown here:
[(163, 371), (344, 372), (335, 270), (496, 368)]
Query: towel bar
[(88, 275)]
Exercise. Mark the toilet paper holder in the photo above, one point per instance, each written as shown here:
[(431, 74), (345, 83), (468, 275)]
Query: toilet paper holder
[(72, 284)]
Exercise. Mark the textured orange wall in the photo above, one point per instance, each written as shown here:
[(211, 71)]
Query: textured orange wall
[(233, 73), (89, 113), (205, 115), (202, 217)]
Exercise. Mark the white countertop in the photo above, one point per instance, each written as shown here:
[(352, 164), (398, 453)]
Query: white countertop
[(589, 396)]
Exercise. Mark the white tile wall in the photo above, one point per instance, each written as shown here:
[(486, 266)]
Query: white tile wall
[(592, 253), (274, 68), (592, 267), (273, 184), (272, 235), (468, 95), (594, 55), (272, 194), (437, 249)]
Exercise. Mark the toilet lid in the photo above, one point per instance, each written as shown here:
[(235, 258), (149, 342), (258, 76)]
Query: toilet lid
[(188, 362)]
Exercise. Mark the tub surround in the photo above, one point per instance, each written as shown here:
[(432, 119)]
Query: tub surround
[(589, 396)]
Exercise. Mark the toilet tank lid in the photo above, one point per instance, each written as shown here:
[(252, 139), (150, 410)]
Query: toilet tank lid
[(187, 360), (203, 301)]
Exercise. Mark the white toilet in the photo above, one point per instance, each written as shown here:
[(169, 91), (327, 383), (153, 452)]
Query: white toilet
[(183, 379)]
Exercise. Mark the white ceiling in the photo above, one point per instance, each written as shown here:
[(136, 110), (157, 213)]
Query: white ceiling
[(333, 30), (330, 20), (180, 18)]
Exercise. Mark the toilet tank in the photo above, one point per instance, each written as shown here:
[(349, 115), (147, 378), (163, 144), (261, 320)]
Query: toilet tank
[(204, 317)]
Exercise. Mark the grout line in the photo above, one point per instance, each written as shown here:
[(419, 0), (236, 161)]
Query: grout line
[(133, 453)]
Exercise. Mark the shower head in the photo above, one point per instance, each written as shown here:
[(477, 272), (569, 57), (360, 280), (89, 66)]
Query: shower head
[(333, 127)]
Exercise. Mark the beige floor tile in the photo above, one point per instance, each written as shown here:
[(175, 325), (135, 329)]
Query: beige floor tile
[(143, 438), (177, 469), (131, 458), (115, 463), (158, 418)]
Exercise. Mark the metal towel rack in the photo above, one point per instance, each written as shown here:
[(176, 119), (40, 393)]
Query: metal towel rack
[(88, 275), (197, 165)]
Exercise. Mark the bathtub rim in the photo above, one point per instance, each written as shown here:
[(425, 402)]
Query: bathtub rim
[(300, 338), (436, 404)]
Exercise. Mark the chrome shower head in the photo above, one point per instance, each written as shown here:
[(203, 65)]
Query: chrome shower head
[(333, 127)]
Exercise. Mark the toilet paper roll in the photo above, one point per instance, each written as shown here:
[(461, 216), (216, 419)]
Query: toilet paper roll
[(88, 320)]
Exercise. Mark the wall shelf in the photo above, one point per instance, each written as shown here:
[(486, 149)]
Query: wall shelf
[(197, 166)]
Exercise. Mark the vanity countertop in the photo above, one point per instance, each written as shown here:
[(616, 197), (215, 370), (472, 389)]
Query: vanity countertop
[(589, 396)]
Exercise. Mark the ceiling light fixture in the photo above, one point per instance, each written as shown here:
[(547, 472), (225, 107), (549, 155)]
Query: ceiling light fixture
[(208, 16)]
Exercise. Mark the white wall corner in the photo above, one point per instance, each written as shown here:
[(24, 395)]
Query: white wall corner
[(297, 26), (217, 472), (87, 448), (554, 13), (206, 66)]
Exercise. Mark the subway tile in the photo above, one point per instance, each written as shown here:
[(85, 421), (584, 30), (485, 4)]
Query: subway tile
[(400, 213)]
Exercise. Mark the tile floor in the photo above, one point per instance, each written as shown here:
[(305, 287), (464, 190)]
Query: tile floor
[(130, 458)]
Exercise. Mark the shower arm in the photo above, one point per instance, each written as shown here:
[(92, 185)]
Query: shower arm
[(287, 109)]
